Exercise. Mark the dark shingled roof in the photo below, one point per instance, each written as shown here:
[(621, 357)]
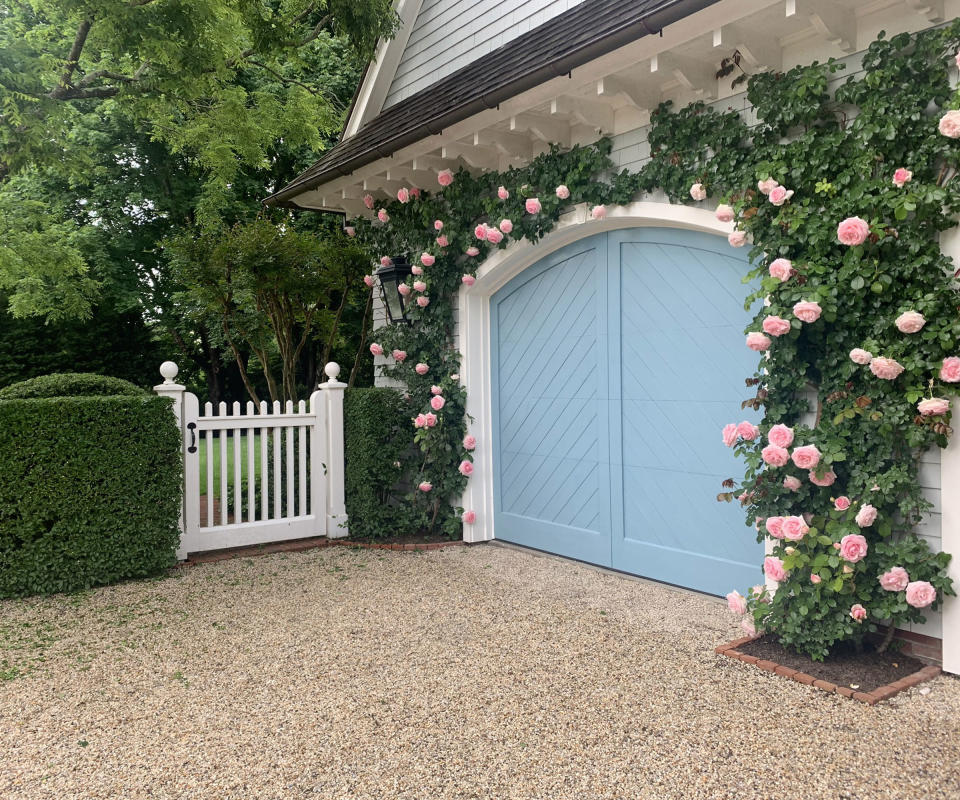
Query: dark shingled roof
[(569, 40)]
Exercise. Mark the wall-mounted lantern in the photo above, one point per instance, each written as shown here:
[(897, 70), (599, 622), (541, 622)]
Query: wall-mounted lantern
[(390, 278)]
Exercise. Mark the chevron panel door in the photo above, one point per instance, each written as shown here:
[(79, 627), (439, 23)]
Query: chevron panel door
[(682, 363), (550, 363), (615, 363)]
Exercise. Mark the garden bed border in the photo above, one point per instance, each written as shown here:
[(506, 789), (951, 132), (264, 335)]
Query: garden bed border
[(299, 545), (870, 698)]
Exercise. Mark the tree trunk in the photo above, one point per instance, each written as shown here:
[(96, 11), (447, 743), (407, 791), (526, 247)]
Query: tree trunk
[(363, 341)]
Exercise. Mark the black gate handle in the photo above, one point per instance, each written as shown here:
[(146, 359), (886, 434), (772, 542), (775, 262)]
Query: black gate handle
[(192, 427)]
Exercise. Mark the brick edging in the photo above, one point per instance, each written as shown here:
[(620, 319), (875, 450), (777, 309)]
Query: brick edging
[(300, 545), (870, 698)]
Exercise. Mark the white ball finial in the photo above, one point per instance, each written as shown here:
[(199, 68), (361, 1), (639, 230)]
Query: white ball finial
[(169, 371), (332, 370)]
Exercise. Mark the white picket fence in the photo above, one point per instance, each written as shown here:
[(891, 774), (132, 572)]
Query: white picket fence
[(298, 452)]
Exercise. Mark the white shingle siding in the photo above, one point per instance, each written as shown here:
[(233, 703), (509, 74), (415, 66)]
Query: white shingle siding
[(449, 34)]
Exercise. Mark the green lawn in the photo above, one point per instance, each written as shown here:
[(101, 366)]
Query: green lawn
[(216, 462)]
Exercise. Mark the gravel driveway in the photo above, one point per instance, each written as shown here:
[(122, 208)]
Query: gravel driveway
[(478, 672)]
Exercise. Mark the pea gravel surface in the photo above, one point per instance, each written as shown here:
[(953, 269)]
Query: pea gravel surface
[(480, 672)]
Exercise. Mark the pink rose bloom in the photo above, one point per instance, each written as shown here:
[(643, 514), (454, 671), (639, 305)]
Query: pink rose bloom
[(403, 195), (791, 483), (436, 390), (859, 356), (775, 326), (950, 371), (957, 60), (598, 212), (730, 434), (421, 369), (858, 612), (748, 430), (886, 368), (853, 547), (814, 578), (724, 213), (920, 594), (469, 517), (427, 259), (827, 480), (794, 528), (774, 526), (425, 486), (949, 124), (563, 192), (895, 579), (910, 322), (737, 603), (431, 419), (781, 268), (383, 216), (780, 435), (438, 225), (420, 421), (494, 236), (842, 503), (445, 177), (778, 195), (468, 280), (416, 269), (773, 569), (807, 311), (368, 280), (437, 402), (933, 406), (480, 232), (532, 205), (502, 193), (469, 442), (442, 241), (853, 231), (767, 185), (697, 192), (399, 355), (423, 301), (506, 225), (775, 456), (414, 192), (473, 251), (368, 201), (376, 349), (806, 457), (465, 468), (737, 239), (419, 286), (757, 341), (350, 230), (385, 261), (404, 289), (901, 176), (866, 516)]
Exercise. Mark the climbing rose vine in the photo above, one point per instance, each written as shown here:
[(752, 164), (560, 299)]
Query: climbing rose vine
[(861, 309)]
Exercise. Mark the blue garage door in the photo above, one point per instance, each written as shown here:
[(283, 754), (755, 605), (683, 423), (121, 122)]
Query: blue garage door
[(616, 362)]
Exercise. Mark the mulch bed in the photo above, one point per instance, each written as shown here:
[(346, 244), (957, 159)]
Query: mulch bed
[(868, 676)]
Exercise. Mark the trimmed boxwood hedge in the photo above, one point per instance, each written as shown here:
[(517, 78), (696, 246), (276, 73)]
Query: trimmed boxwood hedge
[(376, 443), (89, 491), (69, 384)]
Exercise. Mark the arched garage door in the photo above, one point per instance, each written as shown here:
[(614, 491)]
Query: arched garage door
[(616, 362)]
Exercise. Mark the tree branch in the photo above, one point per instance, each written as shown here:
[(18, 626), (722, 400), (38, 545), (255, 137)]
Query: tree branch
[(73, 58), (286, 80)]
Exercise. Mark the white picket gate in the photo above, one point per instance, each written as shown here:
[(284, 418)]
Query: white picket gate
[(286, 479)]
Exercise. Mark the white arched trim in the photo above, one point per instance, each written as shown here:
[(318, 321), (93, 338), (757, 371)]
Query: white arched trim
[(474, 322)]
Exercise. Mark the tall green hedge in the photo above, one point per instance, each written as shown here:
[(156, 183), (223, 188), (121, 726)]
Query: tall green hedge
[(89, 491), (69, 384), (377, 425)]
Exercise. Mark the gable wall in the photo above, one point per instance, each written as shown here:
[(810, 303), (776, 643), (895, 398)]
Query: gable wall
[(449, 34)]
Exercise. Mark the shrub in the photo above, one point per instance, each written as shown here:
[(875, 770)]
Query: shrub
[(377, 443), (89, 491), (69, 384)]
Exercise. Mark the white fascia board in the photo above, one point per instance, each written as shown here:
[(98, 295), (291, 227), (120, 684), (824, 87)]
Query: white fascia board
[(376, 83)]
